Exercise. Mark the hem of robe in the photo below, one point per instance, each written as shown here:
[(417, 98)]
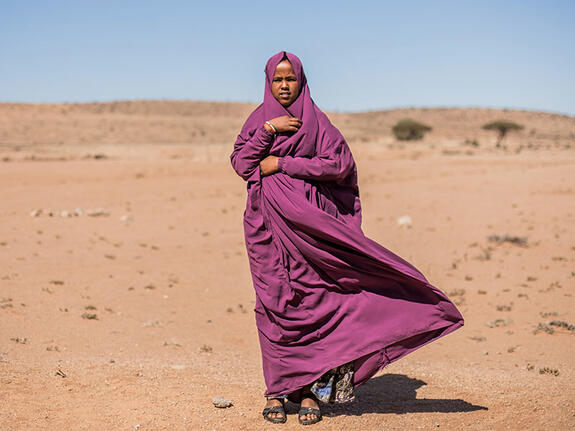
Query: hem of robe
[(366, 365)]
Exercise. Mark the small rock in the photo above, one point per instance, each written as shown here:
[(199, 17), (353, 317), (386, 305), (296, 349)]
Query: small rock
[(404, 221), (221, 402), (97, 212)]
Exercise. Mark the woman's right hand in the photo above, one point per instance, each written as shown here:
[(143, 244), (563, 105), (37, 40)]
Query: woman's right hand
[(285, 123)]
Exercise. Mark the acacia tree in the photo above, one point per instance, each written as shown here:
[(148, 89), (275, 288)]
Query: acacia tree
[(502, 127), (409, 130)]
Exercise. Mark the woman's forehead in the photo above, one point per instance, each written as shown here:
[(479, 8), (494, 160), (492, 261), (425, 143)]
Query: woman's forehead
[(284, 68)]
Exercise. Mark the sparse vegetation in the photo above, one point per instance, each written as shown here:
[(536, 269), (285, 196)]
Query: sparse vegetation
[(457, 296), (409, 130), (543, 327), (548, 327), (502, 127), (520, 241), (505, 307), (547, 370), (485, 254), (6, 303), (562, 324), (472, 143), (498, 322)]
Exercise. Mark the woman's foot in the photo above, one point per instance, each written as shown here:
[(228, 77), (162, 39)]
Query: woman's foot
[(274, 411), (309, 412)]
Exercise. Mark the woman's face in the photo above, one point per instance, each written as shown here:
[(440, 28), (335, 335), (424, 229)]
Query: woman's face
[(285, 87)]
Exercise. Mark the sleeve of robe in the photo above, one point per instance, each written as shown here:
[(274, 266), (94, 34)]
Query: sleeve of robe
[(249, 150), (332, 162)]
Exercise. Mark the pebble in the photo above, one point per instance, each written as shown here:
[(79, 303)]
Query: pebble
[(221, 402), (404, 221)]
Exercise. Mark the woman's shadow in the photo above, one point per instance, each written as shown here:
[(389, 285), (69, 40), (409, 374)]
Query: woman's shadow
[(395, 393)]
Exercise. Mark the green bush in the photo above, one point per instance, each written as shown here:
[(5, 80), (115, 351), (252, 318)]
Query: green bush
[(502, 127), (409, 130)]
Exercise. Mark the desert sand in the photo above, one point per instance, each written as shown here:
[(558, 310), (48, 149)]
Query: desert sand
[(126, 301)]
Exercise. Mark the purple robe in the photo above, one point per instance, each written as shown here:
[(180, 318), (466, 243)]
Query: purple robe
[(325, 293)]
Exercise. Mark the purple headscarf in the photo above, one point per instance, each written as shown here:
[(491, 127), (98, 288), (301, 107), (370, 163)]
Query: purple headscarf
[(302, 107)]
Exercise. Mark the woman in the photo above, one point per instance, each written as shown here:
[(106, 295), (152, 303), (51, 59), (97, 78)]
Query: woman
[(332, 306)]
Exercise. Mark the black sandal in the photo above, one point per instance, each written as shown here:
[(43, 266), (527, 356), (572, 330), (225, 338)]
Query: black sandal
[(309, 410), (275, 409)]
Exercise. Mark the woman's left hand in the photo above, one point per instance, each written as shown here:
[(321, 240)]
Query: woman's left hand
[(269, 165)]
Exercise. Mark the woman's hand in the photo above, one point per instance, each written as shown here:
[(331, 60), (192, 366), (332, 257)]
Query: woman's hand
[(285, 123), (269, 165)]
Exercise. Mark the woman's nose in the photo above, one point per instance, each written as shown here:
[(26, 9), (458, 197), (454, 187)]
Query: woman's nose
[(285, 84)]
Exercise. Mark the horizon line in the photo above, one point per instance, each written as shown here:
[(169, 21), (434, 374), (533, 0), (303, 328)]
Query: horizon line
[(336, 110)]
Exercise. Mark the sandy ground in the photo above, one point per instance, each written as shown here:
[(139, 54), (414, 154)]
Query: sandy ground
[(135, 308)]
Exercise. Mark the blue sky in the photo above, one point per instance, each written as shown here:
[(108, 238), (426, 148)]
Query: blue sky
[(357, 55)]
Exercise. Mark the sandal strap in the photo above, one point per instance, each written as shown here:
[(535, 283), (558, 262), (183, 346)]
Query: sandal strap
[(274, 409), (305, 410)]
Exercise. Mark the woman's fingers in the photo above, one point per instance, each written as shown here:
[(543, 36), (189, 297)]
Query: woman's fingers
[(287, 123), (296, 122)]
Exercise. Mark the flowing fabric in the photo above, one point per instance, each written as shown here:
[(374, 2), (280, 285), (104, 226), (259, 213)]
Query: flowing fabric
[(325, 293)]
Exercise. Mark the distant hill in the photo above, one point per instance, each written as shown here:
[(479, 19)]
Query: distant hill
[(165, 121)]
